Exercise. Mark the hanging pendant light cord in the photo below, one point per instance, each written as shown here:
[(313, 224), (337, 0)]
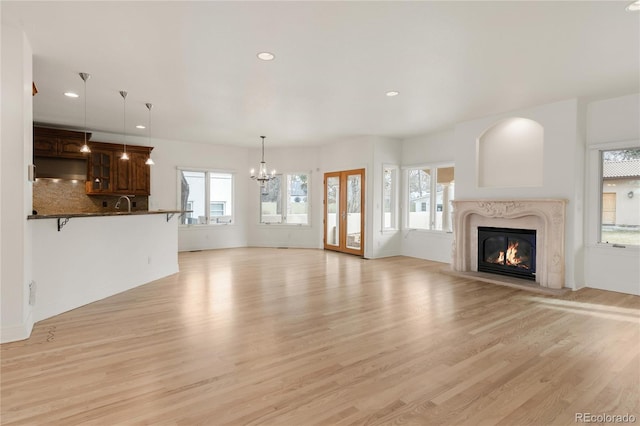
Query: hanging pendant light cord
[(85, 76), (85, 112), (124, 120), (123, 93)]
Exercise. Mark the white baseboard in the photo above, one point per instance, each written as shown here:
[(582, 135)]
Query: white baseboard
[(13, 333)]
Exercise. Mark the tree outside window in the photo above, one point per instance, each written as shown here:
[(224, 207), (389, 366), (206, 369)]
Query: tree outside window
[(286, 200)]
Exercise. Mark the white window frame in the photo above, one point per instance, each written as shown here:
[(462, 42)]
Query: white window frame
[(207, 191), (395, 184), (284, 194), (433, 196), (594, 195)]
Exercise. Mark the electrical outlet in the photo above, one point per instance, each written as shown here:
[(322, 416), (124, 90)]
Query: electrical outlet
[(104, 204), (133, 204), (32, 293)]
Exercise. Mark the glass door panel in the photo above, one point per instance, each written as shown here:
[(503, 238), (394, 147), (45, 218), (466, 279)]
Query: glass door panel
[(354, 216), (332, 221), (344, 211)]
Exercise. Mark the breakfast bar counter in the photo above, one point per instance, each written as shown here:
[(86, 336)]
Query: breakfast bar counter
[(98, 255)]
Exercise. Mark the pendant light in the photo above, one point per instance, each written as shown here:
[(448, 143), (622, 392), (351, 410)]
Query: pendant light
[(263, 177), (123, 93), (149, 161), (84, 76)]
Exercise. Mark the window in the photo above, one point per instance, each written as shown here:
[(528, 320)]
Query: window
[(285, 200), (430, 194), (620, 196), (217, 208), (389, 197), (199, 189)]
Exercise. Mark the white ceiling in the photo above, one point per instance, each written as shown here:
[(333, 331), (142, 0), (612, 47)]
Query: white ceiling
[(196, 62)]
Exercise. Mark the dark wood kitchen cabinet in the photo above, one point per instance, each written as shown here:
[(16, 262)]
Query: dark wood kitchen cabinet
[(100, 172), (109, 174), (59, 143), (132, 176)]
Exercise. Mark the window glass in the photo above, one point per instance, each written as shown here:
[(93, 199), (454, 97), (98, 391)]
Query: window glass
[(297, 199), (207, 195), (430, 198), (444, 198), (217, 208), (192, 197), (389, 199), (271, 201), (620, 197), (419, 187), (221, 190), (285, 199)]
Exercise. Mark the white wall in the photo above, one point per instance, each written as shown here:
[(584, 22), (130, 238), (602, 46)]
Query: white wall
[(510, 154), (286, 160), (369, 153), (384, 242), (356, 153), (435, 148), (609, 121), (96, 257), (563, 167), (613, 120), (16, 200), (168, 156)]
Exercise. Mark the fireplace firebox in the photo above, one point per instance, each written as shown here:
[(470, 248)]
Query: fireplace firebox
[(507, 251)]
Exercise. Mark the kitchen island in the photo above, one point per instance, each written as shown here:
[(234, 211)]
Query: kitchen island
[(79, 258)]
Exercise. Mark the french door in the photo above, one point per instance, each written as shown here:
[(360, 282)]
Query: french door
[(344, 211)]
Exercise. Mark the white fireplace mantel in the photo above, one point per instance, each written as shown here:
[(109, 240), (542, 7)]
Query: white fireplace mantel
[(546, 216)]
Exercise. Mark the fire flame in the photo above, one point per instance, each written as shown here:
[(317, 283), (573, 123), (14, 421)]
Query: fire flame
[(512, 254), (512, 257)]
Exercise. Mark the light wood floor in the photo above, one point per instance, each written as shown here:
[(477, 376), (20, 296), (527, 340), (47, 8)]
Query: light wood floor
[(306, 337)]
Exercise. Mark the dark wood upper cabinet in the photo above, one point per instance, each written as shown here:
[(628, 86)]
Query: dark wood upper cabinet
[(107, 173), (110, 174), (100, 172), (58, 143)]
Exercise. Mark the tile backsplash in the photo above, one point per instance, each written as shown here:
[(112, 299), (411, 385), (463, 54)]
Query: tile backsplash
[(55, 196)]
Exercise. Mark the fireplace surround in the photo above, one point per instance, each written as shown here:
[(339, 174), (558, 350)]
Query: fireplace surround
[(507, 251), (546, 217)]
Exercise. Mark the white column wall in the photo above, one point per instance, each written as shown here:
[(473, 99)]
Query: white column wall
[(384, 243), (435, 148), (16, 201)]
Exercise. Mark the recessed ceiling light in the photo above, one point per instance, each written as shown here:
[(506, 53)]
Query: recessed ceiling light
[(140, 126), (71, 95), (266, 56), (634, 7), (392, 93)]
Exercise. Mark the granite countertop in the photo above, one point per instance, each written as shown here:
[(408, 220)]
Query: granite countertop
[(101, 214)]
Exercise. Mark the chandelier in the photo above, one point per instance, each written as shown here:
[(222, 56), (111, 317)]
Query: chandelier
[(263, 176)]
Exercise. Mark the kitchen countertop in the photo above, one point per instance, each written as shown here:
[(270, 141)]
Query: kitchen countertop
[(101, 214)]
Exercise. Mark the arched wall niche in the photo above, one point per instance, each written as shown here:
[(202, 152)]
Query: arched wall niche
[(510, 154)]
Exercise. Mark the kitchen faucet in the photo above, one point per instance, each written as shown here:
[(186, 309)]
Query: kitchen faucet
[(128, 201)]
